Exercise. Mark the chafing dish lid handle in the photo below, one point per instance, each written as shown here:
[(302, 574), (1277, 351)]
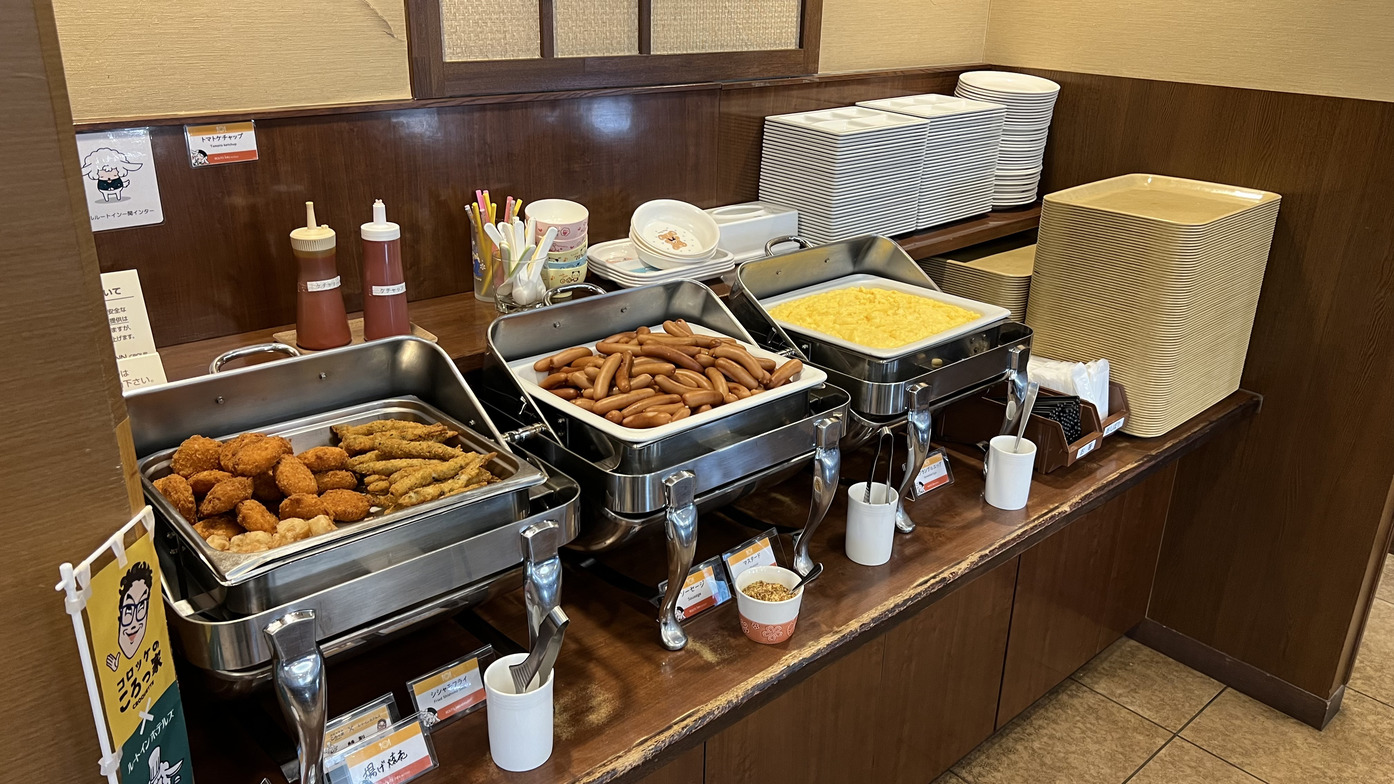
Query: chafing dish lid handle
[(247, 351)]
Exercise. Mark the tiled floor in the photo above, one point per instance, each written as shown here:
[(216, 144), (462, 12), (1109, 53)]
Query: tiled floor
[(1133, 715)]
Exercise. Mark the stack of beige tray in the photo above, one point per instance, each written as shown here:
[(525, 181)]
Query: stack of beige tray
[(999, 274), (1160, 275)]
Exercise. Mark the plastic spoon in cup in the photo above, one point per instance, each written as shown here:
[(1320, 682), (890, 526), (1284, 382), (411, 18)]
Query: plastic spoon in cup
[(493, 233), (1032, 390), (545, 245), (808, 578)]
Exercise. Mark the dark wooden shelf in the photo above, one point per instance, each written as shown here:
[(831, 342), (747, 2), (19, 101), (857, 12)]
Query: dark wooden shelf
[(971, 231)]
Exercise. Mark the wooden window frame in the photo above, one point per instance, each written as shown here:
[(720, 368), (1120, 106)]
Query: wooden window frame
[(433, 77)]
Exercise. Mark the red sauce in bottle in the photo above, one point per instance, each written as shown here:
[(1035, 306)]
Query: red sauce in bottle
[(384, 286), (320, 320)]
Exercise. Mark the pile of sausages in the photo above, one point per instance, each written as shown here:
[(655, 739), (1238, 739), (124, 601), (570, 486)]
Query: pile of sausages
[(644, 379)]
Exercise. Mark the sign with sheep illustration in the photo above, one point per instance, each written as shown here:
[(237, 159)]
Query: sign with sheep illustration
[(118, 179)]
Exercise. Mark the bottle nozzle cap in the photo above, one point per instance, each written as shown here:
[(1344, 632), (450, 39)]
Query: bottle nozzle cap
[(311, 237), (381, 229)]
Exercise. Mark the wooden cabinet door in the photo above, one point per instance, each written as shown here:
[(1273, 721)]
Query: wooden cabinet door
[(1081, 589), (686, 768), (902, 708)]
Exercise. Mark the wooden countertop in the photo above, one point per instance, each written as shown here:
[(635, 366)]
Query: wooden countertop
[(623, 701)]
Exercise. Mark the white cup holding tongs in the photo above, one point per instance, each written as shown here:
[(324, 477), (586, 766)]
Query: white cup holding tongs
[(871, 510), (520, 702)]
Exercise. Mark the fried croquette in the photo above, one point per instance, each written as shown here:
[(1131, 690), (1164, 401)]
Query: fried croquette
[(254, 517), (302, 505), (197, 453), (226, 495), (324, 458), (335, 480), (176, 488), (345, 506), (203, 481), (251, 542), (230, 448), (322, 525), (224, 525), (218, 542), (264, 488), (293, 477), (258, 455)]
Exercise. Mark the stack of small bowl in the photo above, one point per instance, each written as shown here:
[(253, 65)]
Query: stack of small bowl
[(566, 261), (671, 235)]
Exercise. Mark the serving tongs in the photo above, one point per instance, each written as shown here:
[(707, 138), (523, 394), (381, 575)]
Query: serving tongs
[(543, 656)]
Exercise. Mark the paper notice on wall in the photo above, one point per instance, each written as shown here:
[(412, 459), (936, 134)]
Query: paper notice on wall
[(126, 314), (118, 179), (141, 371)]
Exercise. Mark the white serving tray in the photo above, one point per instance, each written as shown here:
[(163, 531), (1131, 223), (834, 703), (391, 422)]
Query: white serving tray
[(991, 313), (807, 378)]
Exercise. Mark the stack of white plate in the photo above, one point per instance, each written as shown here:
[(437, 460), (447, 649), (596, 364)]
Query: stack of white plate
[(960, 157), (848, 171), (1030, 102), (1161, 276), (618, 260)]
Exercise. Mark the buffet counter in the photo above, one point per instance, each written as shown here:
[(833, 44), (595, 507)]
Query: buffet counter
[(979, 612)]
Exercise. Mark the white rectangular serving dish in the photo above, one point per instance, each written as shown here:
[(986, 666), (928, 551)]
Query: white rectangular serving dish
[(991, 313), (807, 378)]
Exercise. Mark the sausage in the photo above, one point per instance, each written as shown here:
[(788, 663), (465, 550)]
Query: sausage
[(652, 367), (785, 372), (641, 381), (704, 409), (585, 403), (622, 373), (740, 391), (766, 365), (606, 373), (647, 419), (718, 380), (562, 358), (642, 331), (611, 348), (580, 380), (670, 354), (670, 409), (671, 387), (616, 402), (585, 362), (682, 414), (743, 357), (705, 360), (702, 397), (566, 393), (650, 402), (692, 378), (686, 327), (677, 328), (736, 373), (614, 416), (553, 381), (619, 337), (667, 340)]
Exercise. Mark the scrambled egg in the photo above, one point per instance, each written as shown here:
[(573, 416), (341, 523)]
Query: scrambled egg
[(876, 318)]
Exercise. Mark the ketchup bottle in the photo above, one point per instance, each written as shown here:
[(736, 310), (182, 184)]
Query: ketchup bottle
[(320, 320), (384, 287)]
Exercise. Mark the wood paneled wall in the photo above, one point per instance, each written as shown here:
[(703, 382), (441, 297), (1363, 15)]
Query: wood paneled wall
[(221, 262), (1273, 543), (63, 404)]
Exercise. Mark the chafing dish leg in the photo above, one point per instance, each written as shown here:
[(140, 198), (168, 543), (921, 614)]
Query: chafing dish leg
[(827, 466), (680, 526), (542, 574), (300, 688), (917, 431)]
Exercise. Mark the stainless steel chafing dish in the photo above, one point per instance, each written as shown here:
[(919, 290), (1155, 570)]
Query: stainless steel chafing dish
[(636, 487), (247, 620), (905, 388)]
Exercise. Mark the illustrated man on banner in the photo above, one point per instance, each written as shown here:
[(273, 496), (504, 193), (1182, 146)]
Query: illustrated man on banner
[(135, 608)]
